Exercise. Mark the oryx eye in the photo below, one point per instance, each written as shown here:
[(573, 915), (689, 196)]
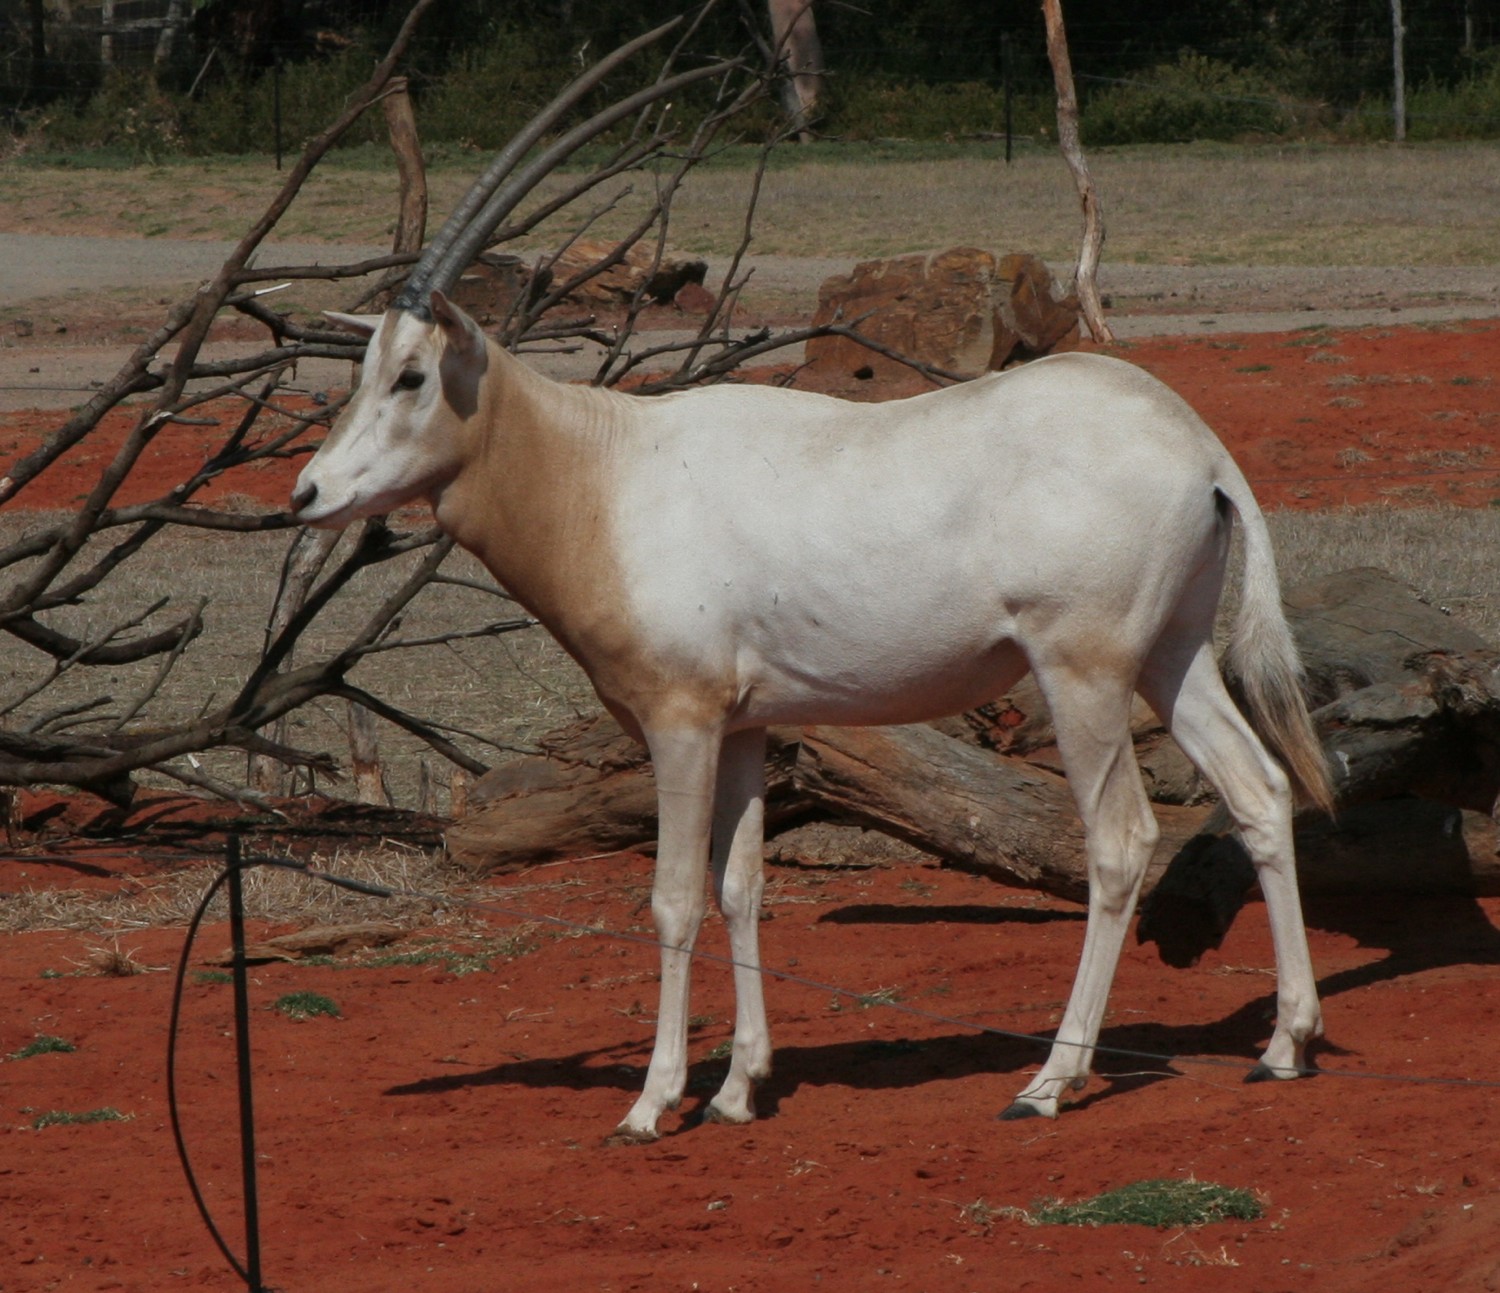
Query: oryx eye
[(410, 380)]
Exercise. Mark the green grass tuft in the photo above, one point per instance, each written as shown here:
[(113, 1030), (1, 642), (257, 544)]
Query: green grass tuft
[(65, 1118), (306, 1005), (44, 1044), (1159, 1203)]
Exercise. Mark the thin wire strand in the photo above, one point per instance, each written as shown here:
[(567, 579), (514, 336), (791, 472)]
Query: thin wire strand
[(874, 999), (179, 1139)]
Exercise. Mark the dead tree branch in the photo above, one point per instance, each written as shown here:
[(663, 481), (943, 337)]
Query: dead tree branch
[(241, 413)]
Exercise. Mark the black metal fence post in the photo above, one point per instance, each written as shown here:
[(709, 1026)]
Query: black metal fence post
[(1006, 78), (242, 1065), (276, 103)]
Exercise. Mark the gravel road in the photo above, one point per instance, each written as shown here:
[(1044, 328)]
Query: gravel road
[(43, 279)]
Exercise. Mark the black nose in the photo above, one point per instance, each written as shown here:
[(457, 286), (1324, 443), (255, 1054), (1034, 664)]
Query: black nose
[(303, 496)]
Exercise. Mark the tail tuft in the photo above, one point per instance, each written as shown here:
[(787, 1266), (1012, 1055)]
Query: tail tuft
[(1264, 656)]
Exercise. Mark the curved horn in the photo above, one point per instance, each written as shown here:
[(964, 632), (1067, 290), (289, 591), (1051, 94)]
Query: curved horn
[(481, 209)]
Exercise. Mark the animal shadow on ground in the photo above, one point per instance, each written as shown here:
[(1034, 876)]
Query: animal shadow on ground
[(1419, 934)]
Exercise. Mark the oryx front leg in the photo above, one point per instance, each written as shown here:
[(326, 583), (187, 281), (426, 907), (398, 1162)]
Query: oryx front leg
[(685, 763), (739, 883), (1092, 721)]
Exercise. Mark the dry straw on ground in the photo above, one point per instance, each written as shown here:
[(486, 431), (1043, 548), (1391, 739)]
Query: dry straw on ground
[(1425, 204)]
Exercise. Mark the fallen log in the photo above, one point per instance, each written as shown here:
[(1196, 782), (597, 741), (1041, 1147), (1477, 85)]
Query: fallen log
[(998, 817), (590, 791), (1411, 725), (1358, 627), (992, 816)]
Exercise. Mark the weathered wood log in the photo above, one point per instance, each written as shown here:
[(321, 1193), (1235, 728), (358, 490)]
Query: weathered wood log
[(591, 791), (1363, 626), (1015, 823), (999, 817), (1412, 725), (1377, 657), (994, 816), (1412, 730), (319, 940)]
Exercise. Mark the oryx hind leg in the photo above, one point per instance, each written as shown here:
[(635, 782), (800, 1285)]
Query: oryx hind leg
[(1191, 699), (1091, 716), (739, 884)]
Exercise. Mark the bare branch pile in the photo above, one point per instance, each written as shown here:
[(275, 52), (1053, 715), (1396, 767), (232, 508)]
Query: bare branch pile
[(65, 572)]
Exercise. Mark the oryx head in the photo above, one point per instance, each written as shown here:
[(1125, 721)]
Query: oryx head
[(407, 426), (401, 436)]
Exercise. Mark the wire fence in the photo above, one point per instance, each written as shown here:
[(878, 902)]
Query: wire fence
[(1450, 91), (249, 1268)]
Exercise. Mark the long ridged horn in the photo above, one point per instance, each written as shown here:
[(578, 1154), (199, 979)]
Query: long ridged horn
[(466, 230)]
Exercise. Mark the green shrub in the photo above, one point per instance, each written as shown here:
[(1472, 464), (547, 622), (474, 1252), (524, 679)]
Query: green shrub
[(1467, 110), (1193, 98), (489, 94), (306, 1005), (874, 107), (238, 114), (129, 114)]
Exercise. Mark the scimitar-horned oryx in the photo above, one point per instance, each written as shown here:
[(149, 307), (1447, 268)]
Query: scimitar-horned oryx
[(726, 558)]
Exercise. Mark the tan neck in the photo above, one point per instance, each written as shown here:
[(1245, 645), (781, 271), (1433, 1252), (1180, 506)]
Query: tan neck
[(531, 500)]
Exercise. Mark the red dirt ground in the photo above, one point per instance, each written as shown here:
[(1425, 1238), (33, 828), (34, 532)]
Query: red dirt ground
[(444, 1133), (1320, 418)]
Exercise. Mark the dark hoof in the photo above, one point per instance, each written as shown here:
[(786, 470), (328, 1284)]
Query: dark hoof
[(1020, 1109), (625, 1136), (1265, 1073)]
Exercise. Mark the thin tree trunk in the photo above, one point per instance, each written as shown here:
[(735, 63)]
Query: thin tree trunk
[(1398, 63), (168, 34), (1085, 278), (801, 53), (411, 223), (364, 758)]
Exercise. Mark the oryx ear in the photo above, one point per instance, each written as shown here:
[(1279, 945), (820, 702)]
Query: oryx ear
[(462, 332), (363, 324)]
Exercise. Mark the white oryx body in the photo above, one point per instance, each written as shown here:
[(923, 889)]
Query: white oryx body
[(729, 558)]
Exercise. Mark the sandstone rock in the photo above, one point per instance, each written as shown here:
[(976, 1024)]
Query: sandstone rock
[(495, 282), (961, 311), (490, 288), (1033, 312), (634, 273)]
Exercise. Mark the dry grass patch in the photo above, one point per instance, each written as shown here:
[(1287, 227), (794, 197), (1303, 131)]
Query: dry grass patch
[(508, 691), (430, 893), (1450, 555), (1424, 204)]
